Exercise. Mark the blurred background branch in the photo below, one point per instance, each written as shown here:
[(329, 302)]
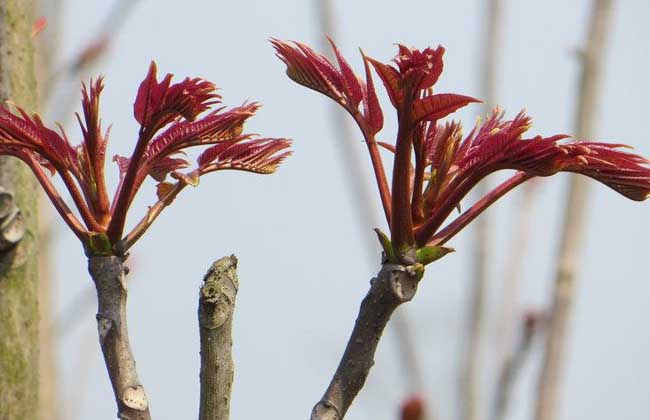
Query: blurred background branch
[(592, 59), (470, 368)]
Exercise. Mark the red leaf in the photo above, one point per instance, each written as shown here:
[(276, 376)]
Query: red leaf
[(259, 155), (351, 84), (371, 108), (163, 190), (308, 68), (421, 68), (214, 127), (122, 164), (161, 167), (157, 104), (24, 131), (435, 107), (391, 79)]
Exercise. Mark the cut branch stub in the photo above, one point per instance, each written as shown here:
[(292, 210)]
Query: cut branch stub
[(216, 306)]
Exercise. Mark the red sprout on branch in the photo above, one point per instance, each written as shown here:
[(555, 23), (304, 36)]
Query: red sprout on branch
[(434, 165), (172, 118), (413, 408)]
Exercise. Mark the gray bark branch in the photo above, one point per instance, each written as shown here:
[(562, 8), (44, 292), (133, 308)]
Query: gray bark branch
[(394, 285), (574, 218), (216, 307), (512, 365), (363, 198), (108, 273)]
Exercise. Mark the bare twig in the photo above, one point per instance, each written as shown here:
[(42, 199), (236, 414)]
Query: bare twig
[(513, 362), (512, 272), (362, 198), (90, 55), (470, 369), (216, 306), (394, 285), (512, 276), (108, 273), (573, 228)]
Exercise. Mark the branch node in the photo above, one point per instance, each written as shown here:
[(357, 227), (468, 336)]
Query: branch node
[(325, 410), (12, 222), (103, 327)]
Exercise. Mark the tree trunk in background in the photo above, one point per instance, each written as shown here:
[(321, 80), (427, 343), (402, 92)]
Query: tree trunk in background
[(18, 267), (46, 49)]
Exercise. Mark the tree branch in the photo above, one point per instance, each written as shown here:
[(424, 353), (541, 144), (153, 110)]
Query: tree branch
[(394, 285), (216, 306), (574, 218), (361, 196), (108, 273), (513, 363)]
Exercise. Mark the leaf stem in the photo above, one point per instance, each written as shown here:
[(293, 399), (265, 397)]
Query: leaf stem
[(470, 214), (68, 217), (127, 189), (377, 165), (136, 233)]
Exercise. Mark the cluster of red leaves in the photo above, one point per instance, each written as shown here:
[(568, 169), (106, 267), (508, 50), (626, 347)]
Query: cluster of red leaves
[(173, 117), (434, 166)]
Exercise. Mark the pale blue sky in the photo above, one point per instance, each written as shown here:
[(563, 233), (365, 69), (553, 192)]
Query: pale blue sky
[(302, 269)]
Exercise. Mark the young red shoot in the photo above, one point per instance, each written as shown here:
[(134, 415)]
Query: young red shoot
[(434, 165), (173, 117)]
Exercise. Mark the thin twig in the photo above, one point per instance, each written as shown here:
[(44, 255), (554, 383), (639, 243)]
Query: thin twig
[(86, 59), (512, 277), (573, 228), (513, 363), (513, 270), (216, 306), (362, 198), (470, 360), (108, 273), (394, 285)]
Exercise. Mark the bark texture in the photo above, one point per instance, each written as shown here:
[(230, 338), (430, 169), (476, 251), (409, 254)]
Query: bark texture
[(216, 306), (574, 218), (394, 285), (108, 273), (18, 264)]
